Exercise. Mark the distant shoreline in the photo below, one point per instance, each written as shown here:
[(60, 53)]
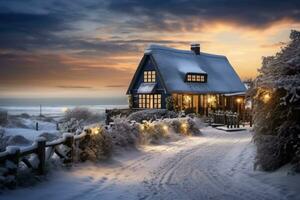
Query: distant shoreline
[(54, 111)]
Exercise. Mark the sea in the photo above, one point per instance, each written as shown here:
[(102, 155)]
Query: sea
[(53, 107)]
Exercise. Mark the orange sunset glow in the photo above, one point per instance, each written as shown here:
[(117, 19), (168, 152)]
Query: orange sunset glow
[(92, 49)]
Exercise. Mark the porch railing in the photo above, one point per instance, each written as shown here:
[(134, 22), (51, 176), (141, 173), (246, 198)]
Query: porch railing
[(229, 119)]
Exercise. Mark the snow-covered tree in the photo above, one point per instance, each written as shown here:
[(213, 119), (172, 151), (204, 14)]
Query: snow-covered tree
[(276, 104)]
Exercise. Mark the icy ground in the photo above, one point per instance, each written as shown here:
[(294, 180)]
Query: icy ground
[(217, 165)]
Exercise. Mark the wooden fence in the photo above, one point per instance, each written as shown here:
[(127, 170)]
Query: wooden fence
[(229, 119), (66, 148)]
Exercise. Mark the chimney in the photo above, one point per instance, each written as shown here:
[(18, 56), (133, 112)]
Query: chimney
[(195, 48)]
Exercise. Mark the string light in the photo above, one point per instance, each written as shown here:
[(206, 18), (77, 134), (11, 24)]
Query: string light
[(165, 127), (142, 127), (266, 97)]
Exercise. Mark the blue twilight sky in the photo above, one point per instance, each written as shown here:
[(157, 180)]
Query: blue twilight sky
[(91, 48)]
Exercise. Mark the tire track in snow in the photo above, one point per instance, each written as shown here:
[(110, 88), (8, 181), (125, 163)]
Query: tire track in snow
[(205, 178)]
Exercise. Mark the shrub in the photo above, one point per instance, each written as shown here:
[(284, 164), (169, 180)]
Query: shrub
[(185, 126), (153, 132), (123, 134), (97, 147), (276, 103), (152, 114), (170, 102), (84, 114)]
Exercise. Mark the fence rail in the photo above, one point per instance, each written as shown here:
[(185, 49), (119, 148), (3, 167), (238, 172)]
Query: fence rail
[(42, 151)]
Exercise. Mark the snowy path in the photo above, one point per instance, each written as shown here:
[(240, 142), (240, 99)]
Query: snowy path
[(217, 165)]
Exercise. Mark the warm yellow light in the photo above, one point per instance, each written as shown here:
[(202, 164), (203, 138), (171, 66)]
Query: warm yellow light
[(165, 127), (142, 127), (187, 99), (183, 125), (208, 100), (95, 131), (238, 100), (266, 98)]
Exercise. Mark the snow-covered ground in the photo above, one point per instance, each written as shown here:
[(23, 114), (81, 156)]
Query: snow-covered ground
[(29, 132), (218, 165)]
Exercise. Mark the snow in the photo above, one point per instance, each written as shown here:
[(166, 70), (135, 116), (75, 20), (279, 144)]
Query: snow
[(218, 165), (146, 87), (30, 133), (173, 64)]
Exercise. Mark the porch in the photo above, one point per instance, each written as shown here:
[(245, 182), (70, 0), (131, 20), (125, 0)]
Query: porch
[(205, 103)]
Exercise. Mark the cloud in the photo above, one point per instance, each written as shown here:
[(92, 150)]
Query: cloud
[(74, 87), (116, 86), (277, 44), (169, 13)]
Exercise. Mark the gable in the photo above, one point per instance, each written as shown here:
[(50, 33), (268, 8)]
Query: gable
[(138, 85)]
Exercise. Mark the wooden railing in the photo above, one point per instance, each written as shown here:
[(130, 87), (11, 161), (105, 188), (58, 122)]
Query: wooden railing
[(65, 148), (229, 119)]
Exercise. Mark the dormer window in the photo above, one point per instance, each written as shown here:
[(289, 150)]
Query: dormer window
[(197, 78), (149, 76)]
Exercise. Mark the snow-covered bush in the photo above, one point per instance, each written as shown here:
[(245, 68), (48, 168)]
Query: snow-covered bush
[(71, 126), (276, 104), (123, 134), (78, 113), (153, 132), (185, 126), (84, 114), (96, 147), (152, 114)]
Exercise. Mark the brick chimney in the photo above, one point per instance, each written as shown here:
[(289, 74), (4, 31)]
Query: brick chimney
[(195, 48)]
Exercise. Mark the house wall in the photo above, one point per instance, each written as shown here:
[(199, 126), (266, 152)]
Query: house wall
[(148, 65)]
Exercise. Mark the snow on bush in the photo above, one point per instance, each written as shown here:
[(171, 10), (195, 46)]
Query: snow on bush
[(276, 105), (152, 114), (96, 147), (84, 114), (123, 134)]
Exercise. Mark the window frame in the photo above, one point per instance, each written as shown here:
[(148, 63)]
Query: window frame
[(149, 76), (149, 101), (196, 78)]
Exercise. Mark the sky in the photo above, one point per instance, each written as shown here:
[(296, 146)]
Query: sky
[(91, 48)]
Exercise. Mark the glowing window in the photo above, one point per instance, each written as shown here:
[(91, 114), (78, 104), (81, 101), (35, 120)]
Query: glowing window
[(149, 76), (197, 78), (150, 101)]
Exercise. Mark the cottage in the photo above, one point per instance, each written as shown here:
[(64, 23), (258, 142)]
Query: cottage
[(185, 80)]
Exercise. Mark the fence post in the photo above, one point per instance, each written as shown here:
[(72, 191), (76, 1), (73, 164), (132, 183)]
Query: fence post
[(234, 119), (14, 156), (69, 142), (12, 165), (41, 153), (238, 120), (36, 126)]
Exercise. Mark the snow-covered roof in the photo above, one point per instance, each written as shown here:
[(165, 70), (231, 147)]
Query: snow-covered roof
[(173, 64), (146, 87)]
